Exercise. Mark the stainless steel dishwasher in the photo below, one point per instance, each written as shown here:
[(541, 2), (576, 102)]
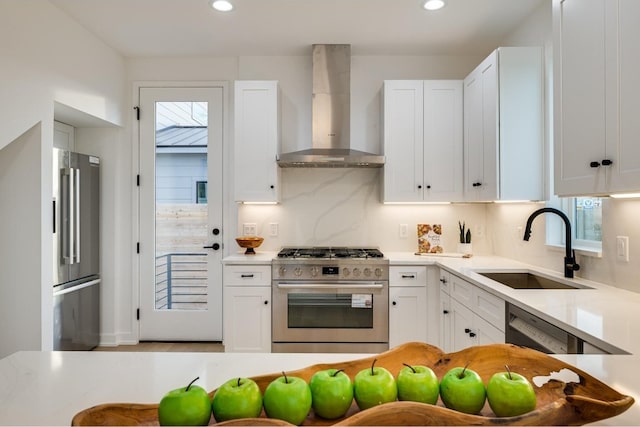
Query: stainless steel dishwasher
[(526, 329)]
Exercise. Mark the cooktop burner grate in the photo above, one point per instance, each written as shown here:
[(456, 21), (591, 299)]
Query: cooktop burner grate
[(330, 252)]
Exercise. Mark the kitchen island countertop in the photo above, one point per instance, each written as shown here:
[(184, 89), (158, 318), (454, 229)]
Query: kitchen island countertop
[(49, 388)]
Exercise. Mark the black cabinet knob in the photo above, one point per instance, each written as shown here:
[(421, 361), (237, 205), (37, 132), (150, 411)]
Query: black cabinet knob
[(467, 330), (216, 231), (607, 162), (394, 303), (428, 187), (472, 334), (594, 164), (443, 280), (445, 311), (266, 302), (272, 187), (419, 187)]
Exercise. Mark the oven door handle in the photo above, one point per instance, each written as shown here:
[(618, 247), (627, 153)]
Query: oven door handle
[(332, 285)]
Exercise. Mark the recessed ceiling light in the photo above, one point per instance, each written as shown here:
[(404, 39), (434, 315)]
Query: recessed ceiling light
[(433, 4), (222, 5)]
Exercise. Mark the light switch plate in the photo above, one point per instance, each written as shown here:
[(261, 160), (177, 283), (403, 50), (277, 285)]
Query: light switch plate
[(273, 229), (249, 229), (622, 248), (403, 231)]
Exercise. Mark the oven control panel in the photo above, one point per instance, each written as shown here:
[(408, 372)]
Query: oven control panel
[(331, 272)]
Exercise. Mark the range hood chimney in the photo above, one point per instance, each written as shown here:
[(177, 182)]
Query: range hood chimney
[(330, 111)]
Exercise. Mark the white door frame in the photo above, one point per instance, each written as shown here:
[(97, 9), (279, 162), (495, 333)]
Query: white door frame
[(230, 210)]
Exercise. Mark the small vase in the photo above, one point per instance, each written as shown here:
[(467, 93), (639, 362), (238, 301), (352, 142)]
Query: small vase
[(465, 248)]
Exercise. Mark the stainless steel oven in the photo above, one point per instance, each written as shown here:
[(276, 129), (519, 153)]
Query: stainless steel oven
[(330, 300)]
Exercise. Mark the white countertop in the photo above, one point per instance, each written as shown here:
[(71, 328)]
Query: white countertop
[(258, 258), (608, 315), (49, 388)]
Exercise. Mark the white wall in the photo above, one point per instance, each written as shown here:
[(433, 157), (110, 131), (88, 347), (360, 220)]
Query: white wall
[(49, 63), (20, 289)]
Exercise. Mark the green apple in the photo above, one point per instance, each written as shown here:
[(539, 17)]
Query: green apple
[(288, 399), (331, 393), (186, 406), (374, 386), (237, 398), (463, 390), (418, 384), (510, 394)]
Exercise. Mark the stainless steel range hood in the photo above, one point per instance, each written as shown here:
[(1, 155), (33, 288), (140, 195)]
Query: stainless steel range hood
[(330, 113)]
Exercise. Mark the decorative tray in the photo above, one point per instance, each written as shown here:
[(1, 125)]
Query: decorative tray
[(558, 403)]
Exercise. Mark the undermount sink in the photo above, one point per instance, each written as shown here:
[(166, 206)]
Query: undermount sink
[(527, 280)]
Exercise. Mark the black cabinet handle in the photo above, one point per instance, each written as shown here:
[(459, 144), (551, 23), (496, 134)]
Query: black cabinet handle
[(472, 334), (445, 311), (443, 280), (215, 246), (408, 276), (467, 330), (476, 184), (594, 164), (246, 276), (607, 162)]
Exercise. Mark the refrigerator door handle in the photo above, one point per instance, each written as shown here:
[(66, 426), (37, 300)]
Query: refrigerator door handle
[(76, 288), (77, 216), (72, 216), (66, 206)]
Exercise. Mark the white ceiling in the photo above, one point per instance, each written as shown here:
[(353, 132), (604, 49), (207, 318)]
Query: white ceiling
[(139, 28)]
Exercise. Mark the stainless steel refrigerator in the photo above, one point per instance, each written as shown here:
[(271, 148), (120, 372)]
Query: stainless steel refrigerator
[(76, 250)]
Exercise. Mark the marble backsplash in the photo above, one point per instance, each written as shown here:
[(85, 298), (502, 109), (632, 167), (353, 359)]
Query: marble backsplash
[(342, 207)]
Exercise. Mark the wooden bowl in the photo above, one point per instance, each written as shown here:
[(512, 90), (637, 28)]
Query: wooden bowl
[(250, 243), (558, 403)]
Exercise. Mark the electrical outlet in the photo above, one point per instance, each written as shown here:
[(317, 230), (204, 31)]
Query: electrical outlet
[(622, 248), (403, 231), (249, 229), (273, 229)]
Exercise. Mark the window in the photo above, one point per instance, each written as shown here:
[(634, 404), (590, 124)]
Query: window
[(585, 215), (587, 218), (201, 192)]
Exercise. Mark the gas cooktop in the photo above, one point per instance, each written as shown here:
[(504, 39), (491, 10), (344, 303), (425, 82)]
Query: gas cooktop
[(328, 252)]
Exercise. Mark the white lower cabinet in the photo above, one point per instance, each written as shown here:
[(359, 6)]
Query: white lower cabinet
[(247, 308), (469, 315), (407, 304), (468, 329)]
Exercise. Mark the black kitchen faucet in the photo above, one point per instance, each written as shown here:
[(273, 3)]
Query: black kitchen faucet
[(570, 264)]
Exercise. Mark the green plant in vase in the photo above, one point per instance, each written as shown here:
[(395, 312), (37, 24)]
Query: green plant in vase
[(465, 239)]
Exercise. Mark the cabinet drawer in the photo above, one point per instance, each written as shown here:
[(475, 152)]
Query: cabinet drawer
[(461, 290), (490, 307), (241, 275), (407, 276)]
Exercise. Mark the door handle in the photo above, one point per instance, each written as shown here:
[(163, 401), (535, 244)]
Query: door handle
[(214, 246)]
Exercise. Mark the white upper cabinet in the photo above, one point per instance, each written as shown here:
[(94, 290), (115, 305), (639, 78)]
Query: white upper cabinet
[(504, 127), (422, 141), (256, 136), (596, 96)]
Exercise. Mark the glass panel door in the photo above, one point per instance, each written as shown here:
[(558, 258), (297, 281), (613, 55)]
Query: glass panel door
[(180, 207)]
